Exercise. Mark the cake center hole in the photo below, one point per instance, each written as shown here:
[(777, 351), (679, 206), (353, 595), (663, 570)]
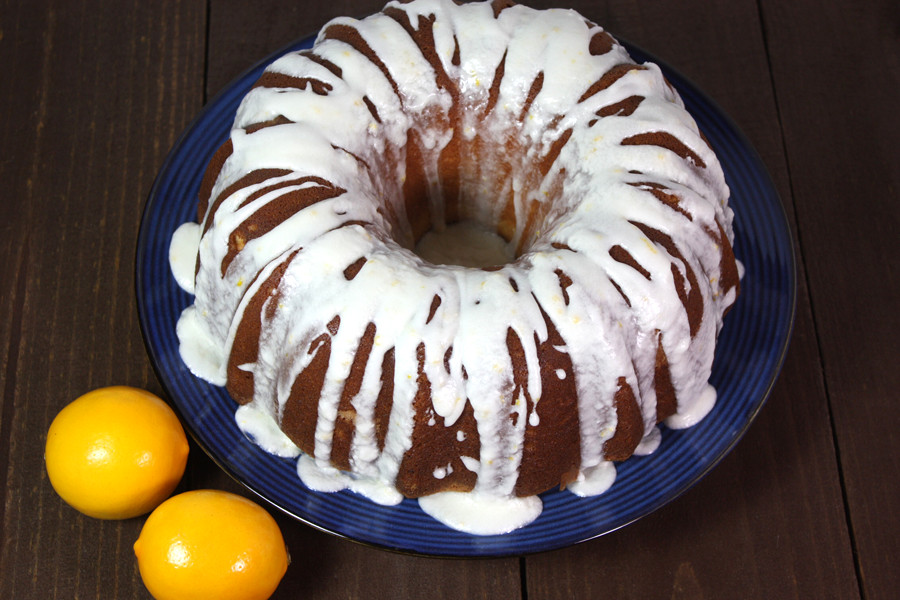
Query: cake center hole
[(465, 244)]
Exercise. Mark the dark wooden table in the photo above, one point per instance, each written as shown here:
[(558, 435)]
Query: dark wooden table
[(94, 94)]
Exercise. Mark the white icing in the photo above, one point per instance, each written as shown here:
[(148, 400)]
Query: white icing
[(182, 248), (593, 481), (695, 411), (261, 428), (610, 315), (198, 350), (470, 463), (441, 472), (329, 479), (481, 514), (649, 443)]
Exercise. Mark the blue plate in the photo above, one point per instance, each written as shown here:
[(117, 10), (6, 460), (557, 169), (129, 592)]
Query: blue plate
[(749, 357)]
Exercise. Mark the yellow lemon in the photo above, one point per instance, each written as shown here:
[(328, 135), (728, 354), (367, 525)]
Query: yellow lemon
[(115, 452), (211, 544)]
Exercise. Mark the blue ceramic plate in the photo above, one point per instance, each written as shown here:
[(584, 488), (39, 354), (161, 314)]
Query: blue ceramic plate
[(749, 356)]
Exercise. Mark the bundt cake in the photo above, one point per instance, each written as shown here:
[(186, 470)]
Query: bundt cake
[(590, 315)]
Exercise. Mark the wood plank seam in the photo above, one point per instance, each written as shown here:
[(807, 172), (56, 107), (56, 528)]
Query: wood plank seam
[(16, 317), (800, 257)]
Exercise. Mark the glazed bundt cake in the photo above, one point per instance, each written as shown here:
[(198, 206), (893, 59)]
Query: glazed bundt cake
[(502, 374)]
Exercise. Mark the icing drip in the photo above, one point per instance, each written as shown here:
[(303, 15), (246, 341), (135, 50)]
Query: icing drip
[(329, 479), (262, 430), (480, 514), (184, 245), (594, 481), (580, 306)]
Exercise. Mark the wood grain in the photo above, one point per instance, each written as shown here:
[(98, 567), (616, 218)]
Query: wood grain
[(838, 106), (92, 97), (92, 100)]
